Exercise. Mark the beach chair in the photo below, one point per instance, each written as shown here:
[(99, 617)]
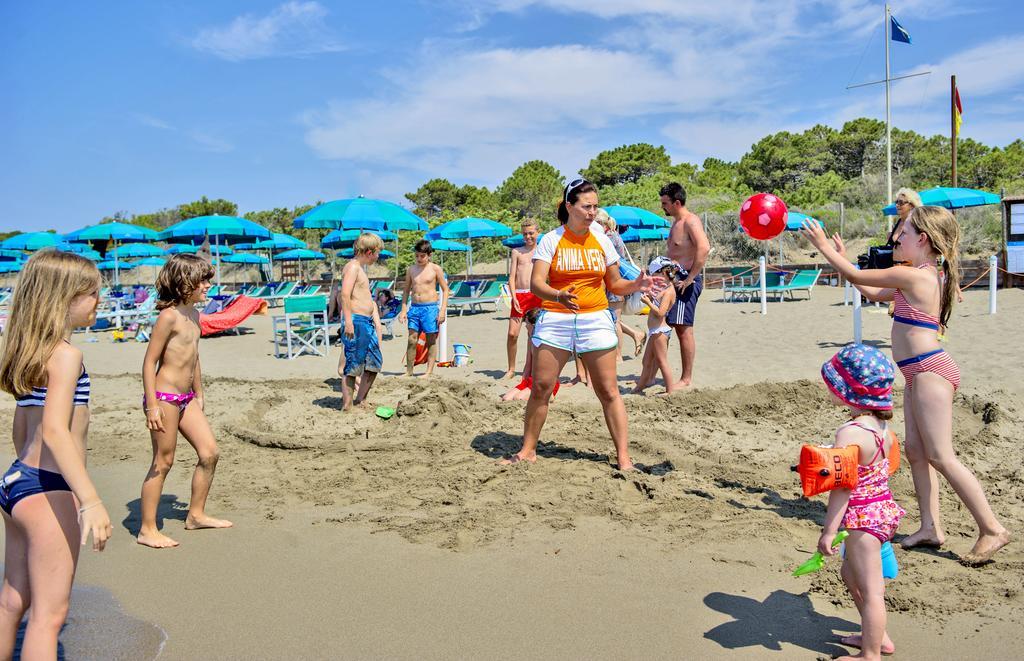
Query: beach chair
[(389, 314), (286, 290), (460, 295), (750, 292), (214, 291), (302, 328), (802, 281), (738, 278), (489, 295)]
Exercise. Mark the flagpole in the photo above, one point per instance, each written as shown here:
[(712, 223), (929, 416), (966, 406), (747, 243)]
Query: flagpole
[(888, 118), (952, 122)]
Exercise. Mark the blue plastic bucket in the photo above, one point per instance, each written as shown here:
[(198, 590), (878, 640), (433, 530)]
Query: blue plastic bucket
[(461, 357), (890, 568)]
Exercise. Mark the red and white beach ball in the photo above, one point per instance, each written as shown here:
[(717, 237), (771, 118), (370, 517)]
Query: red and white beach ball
[(763, 216)]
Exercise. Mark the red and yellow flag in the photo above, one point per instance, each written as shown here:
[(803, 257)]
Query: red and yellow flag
[(958, 110)]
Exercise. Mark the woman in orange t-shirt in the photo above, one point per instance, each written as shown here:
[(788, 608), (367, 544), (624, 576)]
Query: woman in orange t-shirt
[(573, 268)]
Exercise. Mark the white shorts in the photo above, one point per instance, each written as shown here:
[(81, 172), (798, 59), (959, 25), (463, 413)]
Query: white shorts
[(581, 333)]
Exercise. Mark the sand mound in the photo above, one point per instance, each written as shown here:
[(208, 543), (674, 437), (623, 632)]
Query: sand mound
[(717, 478)]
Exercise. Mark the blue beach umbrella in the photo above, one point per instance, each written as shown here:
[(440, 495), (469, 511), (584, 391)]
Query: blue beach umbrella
[(11, 267), (65, 246), (444, 245), (11, 255), (795, 221), (91, 255), (300, 255), (30, 241), (469, 228), (138, 250), (634, 234), (625, 216), (221, 230), (279, 242), (516, 241), (182, 248), (359, 213), (951, 198), (345, 238), (150, 261), (118, 233), (111, 265), (245, 258)]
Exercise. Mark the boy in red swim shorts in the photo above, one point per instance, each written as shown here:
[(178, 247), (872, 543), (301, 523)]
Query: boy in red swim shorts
[(523, 299)]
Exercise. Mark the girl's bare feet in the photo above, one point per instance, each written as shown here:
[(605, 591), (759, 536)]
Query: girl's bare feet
[(155, 539), (927, 538), (985, 548), (888, 647), (204, 521)]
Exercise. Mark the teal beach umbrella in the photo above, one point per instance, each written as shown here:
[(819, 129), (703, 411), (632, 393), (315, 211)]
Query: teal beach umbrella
[(118, 233), (951, 198), (30, 241), (469, 228), (345, 238), (625, 216), (220, 230)]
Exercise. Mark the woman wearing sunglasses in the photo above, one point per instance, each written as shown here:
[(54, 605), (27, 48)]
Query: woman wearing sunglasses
[(573, 270)]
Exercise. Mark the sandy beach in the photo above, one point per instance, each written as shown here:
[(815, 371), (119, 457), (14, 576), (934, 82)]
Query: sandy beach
[(358, 537)]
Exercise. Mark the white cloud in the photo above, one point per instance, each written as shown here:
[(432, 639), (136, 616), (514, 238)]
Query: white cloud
[(202, 140), (474, 115), (293, 29)]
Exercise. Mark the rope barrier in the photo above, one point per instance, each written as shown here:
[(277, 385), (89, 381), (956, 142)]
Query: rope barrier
[(976, 280)]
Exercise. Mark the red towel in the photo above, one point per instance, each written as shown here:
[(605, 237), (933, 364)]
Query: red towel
[(239, 310)]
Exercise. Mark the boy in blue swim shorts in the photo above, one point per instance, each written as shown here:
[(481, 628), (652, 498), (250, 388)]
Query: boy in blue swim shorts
[(362, 330), (426, 313)]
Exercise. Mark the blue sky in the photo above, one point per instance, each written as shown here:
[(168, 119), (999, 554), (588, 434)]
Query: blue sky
[(135, 106)]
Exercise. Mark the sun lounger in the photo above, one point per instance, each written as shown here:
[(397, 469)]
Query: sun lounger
[(284, 291), (771, 279), (233, 314), (802, 281), (489, 295)]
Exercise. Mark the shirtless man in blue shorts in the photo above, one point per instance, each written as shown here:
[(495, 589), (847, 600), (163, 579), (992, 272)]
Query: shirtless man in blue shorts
[(687, 246)]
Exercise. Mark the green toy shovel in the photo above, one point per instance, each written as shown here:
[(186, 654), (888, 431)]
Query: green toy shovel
[(384, 412), (817, 561)]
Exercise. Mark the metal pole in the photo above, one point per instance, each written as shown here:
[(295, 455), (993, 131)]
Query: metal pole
[(858, 334), (952, 122), (764, 290), (888, 120), (993, 263), (217, 241), (117, 274), (842, 217)]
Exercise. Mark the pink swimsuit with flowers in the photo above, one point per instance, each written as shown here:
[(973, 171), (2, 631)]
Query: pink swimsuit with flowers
[(871, 508)]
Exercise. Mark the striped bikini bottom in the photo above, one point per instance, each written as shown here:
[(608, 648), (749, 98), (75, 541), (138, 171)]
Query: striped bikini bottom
[(937, 361)]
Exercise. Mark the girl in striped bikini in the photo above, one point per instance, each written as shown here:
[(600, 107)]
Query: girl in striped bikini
[(923, 286), (50, 506)]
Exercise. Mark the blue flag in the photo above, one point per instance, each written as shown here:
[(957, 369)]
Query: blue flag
[(898, 32)]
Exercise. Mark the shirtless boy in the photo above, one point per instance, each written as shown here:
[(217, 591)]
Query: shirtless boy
[(425, 315), (362, 329), (523, 299), (687, 246)]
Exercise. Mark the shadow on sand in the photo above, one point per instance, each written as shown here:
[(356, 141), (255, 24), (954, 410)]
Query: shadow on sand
[(169, 508), (782, 617)]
